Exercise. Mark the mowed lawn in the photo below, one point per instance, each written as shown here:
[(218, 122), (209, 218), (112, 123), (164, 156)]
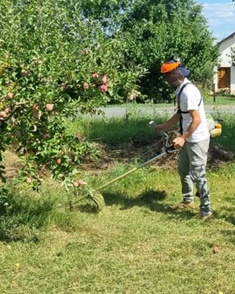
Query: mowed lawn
[(135, 244)]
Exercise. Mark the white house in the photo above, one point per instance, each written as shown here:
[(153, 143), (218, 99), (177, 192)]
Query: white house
[(224, 74)]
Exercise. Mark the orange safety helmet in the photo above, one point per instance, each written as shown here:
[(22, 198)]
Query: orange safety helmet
[(169, 66), (173, 64)]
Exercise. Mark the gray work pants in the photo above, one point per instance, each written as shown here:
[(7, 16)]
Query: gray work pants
[(192, 170)]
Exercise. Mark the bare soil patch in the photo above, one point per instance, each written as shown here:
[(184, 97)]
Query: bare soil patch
[(136, 150), (141, 151), (11, 163)]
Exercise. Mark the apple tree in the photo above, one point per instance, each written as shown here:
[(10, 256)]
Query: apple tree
[(54, 63)]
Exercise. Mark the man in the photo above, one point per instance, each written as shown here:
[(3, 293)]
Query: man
[(194, 139)]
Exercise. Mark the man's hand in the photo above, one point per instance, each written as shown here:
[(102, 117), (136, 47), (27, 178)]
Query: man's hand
[(179, 142)]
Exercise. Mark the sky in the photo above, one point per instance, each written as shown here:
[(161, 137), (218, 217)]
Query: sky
[(220, 16)]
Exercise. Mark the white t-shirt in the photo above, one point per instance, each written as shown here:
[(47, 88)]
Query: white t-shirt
[(190, 99)]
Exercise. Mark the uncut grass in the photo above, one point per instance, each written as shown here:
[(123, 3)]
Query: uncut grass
[(117, 130), (220, 99), (114, 130), (227, 138)]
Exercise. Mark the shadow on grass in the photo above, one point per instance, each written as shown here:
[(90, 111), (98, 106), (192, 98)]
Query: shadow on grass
[(227, 213), (229, 235), (152, 199)]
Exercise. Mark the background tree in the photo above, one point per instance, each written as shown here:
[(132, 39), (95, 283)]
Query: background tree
[(158, 30)]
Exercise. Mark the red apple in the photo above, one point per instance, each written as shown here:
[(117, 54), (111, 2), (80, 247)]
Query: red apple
[(81, 182), (3, 114), (50, 106), (85, 86), (10, 95), (75, 184), (95, 75), (58, 161), (104, 79), (7, 110), (103, 88), (29, 180)]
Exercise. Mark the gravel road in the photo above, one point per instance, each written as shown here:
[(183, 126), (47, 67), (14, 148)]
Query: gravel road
[(117, 111)]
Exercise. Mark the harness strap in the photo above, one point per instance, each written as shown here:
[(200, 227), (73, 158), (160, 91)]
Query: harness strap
[(179, 110)]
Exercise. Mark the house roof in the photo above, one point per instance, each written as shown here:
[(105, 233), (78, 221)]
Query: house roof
[(226, 38)]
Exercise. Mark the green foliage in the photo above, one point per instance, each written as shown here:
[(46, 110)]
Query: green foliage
[(54, 62), (233, 55), (168, 29), (228, 131), (61, 57)]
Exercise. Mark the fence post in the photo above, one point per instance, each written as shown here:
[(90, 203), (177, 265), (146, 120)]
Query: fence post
[(213, 89)]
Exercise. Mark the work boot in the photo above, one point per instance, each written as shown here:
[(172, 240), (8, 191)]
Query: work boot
[(204, 216), (184, 205)]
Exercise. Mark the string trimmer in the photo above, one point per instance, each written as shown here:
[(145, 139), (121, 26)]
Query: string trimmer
[(98, 198)]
